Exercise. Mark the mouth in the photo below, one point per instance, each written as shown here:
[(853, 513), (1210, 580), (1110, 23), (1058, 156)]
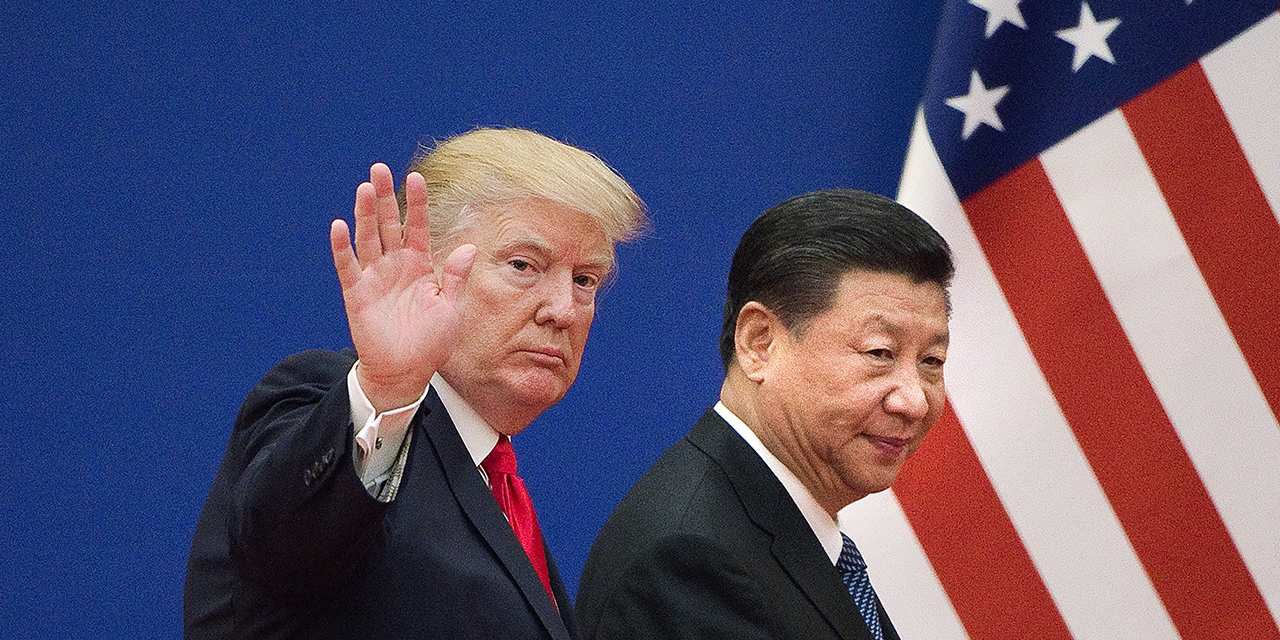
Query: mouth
[(888, 445), (546, 356)]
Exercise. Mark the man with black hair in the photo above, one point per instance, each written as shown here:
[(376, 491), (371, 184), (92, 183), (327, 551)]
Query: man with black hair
[(833, 343)]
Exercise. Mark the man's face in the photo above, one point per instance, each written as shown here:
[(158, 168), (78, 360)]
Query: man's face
[(527, 305), (854, 397)]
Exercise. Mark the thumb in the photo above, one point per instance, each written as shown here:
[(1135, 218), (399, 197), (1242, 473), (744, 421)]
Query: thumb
[(455, 270)]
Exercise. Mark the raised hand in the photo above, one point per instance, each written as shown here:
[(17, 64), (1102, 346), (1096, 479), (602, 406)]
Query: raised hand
[(403, 318)]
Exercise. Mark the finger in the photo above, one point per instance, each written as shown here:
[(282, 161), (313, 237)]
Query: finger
[(388, 210), (368, 246), (417, 227), (417, 221), (344, 257), (456, 268)]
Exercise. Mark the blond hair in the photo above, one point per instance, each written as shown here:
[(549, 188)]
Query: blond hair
[(489, 166)]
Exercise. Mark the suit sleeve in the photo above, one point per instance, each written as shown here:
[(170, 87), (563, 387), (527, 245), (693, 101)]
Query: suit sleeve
[(300, 520), (684, 586)]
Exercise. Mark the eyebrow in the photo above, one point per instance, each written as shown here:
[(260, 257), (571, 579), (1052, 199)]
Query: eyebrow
[(603, 261), (535, 244), (943, 337)]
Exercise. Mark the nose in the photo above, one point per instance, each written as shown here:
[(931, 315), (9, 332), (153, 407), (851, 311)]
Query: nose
[(556, 307), (907, 396)]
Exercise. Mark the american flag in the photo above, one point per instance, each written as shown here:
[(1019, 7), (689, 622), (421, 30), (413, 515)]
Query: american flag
[(1108, 175)]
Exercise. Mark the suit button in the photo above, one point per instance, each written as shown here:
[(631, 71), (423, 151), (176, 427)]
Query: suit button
[(328, 456), (317, 469), (308, 477)]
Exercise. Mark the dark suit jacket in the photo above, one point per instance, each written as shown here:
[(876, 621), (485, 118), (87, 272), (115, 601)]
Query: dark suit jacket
[(290, 545), (708, 544)]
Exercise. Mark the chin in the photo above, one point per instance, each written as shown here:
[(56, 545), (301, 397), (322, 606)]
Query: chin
[(869, 483), (541, 389)]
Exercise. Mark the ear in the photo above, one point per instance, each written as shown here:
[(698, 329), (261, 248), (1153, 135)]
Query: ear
[(756, 338)]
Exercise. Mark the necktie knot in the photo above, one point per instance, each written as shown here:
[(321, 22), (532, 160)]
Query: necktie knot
[(850, 558), (502, 459)]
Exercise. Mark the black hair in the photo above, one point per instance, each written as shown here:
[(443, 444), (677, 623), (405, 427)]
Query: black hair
[(794, 256)]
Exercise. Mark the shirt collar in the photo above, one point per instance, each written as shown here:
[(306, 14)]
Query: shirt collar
[(477, 435), (823, 525)]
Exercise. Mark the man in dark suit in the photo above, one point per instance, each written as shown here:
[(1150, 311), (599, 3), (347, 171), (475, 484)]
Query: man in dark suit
[(373, 493), (834, 337)]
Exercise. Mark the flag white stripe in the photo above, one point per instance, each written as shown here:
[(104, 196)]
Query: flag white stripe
[(1245, 76), (1182, 341), (899, 569), (1022, 439)]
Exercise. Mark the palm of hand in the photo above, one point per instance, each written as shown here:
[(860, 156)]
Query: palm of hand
[(403, 319), (400, 326)]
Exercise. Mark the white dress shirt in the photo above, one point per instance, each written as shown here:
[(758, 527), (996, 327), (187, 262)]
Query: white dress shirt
[(382, 439), (823, 525)]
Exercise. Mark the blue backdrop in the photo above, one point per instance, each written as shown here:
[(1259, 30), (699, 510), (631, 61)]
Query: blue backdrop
[(170, 173)]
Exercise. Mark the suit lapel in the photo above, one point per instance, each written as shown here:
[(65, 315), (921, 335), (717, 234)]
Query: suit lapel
[(886, 626), (477, 502), (562, 597), (824, 588), (771, 508)]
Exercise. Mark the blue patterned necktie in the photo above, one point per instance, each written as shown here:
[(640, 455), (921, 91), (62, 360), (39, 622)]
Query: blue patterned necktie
[(858, 583)]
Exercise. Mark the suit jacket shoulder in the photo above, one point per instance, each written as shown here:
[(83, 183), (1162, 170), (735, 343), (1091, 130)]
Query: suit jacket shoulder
[(290, 544), (709, 544)]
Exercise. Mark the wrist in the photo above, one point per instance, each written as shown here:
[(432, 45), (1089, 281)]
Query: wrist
[(389, 392)]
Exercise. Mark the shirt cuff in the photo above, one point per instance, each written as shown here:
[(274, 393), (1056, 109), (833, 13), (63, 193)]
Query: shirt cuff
[(378, 436)]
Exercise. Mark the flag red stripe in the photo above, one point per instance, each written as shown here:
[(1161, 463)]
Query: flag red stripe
[(970, 541), (1113, 411), (1220, 208)]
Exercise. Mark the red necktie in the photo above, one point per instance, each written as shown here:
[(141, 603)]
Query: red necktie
[(509, 490)]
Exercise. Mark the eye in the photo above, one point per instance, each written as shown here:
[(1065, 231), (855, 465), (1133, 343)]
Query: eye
[(934, 361), (584, 280), (518, 264), (883, 354)]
